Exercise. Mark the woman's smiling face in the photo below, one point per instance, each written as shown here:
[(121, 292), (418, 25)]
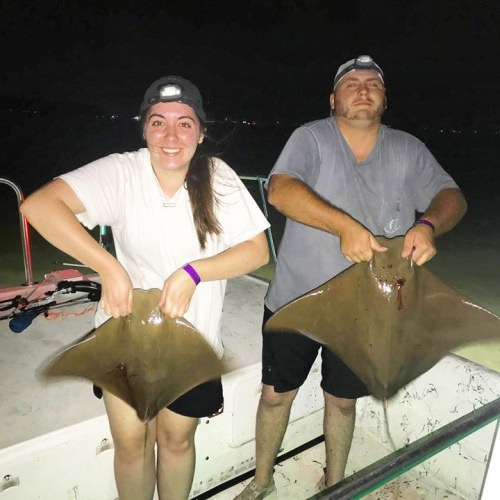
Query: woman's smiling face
[(172, 132)]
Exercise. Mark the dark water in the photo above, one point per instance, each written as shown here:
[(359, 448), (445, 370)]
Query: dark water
[(36, 147)]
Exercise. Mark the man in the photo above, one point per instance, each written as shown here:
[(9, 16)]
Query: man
[(340, 181)]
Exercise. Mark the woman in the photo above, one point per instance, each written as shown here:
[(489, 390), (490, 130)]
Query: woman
[(182, 222)]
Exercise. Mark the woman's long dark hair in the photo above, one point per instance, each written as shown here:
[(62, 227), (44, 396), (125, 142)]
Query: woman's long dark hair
[(199, 183)]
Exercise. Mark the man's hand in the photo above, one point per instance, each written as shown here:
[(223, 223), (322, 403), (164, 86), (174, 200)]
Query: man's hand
[(358, 244), (419, 244)]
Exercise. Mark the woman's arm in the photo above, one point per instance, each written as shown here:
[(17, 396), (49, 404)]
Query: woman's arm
[(52, 210), (241, 259), (235, 261)]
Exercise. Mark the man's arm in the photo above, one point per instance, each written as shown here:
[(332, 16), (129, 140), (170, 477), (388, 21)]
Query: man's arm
[(297, 201), (444, 212)]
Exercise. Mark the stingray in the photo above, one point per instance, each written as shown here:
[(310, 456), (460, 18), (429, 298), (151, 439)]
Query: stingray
[(388, 320), (146, 359)]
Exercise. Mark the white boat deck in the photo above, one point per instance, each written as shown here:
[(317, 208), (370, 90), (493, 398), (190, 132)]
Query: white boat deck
[(55, 442)]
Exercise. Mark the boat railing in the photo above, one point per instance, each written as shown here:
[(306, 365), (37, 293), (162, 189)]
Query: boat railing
[(261, 180), (25, 232), (376, 475)]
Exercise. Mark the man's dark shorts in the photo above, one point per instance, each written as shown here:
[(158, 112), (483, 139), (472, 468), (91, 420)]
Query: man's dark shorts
[(204, 400), (287, 359)]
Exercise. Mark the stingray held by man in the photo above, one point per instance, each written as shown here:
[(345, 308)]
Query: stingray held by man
[(146, 359), (388, 320)]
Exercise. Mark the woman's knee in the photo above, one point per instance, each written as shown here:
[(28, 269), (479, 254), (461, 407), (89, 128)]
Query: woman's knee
[(133, 447), (175, 443), (175, 433)]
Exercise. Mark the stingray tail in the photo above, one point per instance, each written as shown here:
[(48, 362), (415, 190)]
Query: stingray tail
[(385, 404)]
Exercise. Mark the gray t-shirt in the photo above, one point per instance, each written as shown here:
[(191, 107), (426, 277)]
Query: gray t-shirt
[(399, 177)]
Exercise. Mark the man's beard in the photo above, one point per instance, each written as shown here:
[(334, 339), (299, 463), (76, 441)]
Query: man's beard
[(360, 114)]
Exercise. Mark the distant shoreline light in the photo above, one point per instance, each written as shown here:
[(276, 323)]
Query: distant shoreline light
[(257, 123)]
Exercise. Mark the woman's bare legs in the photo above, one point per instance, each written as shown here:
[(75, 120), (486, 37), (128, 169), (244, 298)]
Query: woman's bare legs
[(176, 454), (134, 441)]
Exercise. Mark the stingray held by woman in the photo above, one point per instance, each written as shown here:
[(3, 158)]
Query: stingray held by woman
[(146, 359)]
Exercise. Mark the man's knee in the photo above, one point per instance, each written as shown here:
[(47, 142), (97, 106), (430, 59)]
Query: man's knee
[(340, 405), (272, 399)]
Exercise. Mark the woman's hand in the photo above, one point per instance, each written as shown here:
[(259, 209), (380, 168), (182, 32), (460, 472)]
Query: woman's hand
[(116, 295), (176, 295)]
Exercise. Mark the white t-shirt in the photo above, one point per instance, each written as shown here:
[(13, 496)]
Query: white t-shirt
[(151, 240)]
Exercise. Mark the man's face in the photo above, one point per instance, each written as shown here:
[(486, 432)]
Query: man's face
[(360, 95)]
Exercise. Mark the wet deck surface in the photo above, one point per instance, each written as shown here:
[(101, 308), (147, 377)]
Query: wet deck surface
[(297, 479)]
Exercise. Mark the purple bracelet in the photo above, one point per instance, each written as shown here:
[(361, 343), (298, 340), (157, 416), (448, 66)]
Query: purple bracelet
[(427, 223), (192, 272)]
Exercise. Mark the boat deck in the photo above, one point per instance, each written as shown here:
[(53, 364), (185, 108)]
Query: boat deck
[(42, 424)]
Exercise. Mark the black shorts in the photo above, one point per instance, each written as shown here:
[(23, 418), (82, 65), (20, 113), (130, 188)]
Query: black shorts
[(287, 359), (204, 400)]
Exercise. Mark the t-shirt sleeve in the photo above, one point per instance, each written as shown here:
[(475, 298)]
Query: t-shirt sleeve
[(299, 158), (429, 179), (237, 212), (97, 185)]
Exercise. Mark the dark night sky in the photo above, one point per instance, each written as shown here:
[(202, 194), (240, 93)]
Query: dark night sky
[(256, 59)]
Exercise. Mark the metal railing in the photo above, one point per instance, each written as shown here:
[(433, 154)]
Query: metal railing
[(261, 180), (25, 234), (401, 461)]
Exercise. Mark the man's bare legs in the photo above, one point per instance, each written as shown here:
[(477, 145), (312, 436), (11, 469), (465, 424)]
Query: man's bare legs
[(272, 420), (338, 428)]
